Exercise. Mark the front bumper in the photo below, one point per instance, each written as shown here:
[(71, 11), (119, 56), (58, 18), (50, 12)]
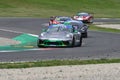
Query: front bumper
[(47, 42), (83, 20)]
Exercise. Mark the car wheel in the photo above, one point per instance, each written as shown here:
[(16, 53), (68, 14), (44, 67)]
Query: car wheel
[(80, 42), (85, 35), (73, 42), (38, 44), (90, 20)]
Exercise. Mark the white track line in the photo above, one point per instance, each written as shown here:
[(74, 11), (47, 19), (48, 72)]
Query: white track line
[(32, 35), (35, 49), (21, 50), (11, 31), (18, 32)]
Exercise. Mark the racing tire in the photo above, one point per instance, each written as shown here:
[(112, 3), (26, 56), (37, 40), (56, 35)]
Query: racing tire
[(73, 42), (85, 35), (38, 44), (90, 21), (80, 42)]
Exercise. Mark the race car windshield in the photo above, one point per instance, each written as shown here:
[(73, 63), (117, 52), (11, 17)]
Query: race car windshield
[(82, 14), (59, 29), (62, 19)]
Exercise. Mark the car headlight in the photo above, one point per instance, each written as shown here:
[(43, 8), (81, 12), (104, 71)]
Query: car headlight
[(41, 35), (68, 36)]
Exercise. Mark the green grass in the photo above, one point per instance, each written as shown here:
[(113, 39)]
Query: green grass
[(96, 28), (56, 63), (46, 8)]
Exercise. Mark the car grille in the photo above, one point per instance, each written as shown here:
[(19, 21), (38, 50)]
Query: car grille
[(54, 43)]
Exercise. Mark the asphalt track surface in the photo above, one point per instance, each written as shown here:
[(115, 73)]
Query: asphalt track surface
[(98, 44)]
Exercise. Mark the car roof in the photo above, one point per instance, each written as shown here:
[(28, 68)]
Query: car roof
[(62, 17), (75, 21), (60, 25), (82, 13)]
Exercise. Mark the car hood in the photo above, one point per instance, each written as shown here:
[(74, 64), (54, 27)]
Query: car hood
[(55, 34)]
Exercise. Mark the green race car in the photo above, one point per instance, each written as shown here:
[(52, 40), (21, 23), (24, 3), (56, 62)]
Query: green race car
[(60, 35)]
